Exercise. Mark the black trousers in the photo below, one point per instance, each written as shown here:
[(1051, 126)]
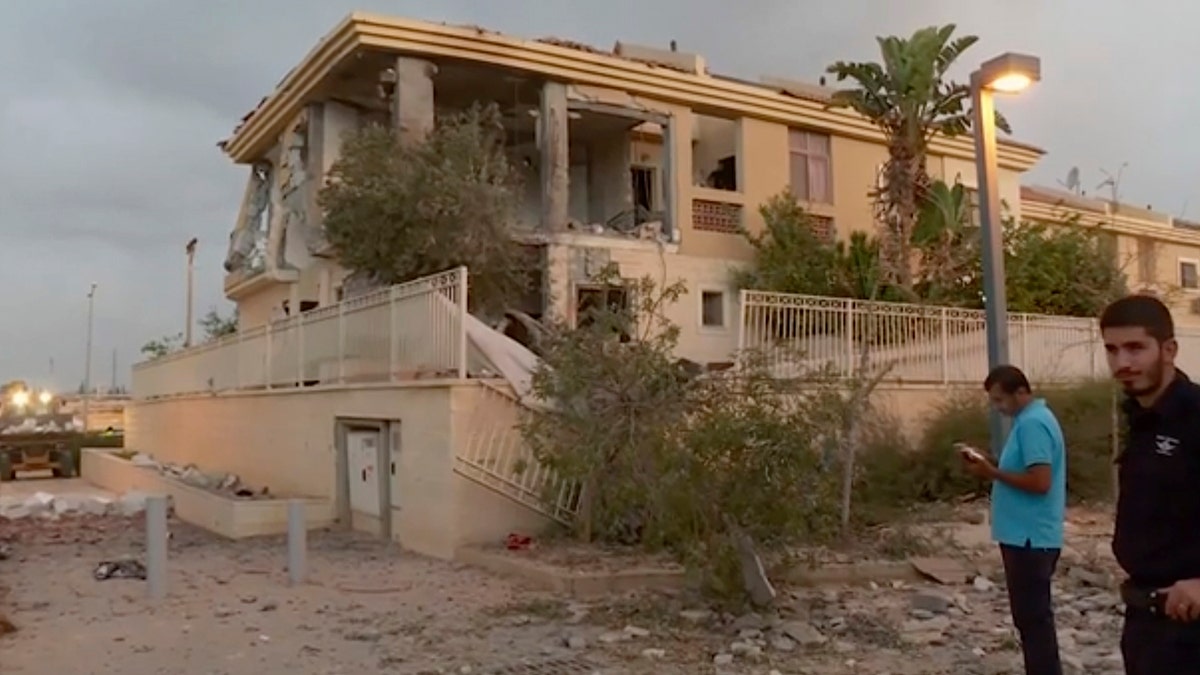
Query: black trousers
[(1153, 644), (1028, 572)]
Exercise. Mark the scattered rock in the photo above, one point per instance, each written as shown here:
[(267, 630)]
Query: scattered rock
[(636, 632), (803, 633), (696, 616), (364, 634), (935, 603)]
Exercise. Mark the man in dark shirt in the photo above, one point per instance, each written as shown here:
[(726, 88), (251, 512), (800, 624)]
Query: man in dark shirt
[(1157, 536)]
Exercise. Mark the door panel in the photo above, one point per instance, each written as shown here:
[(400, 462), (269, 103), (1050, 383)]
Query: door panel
[(362, 458)]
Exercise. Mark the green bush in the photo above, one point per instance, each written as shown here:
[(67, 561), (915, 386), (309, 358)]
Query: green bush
[(897, 475)]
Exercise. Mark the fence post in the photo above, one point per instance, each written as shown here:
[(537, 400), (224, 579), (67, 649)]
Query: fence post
[(300, 361), (341, 324), (463, 289), (741, 335), (297, 541), (945, 346), (156, 547), (269, 358), (393, 336), (237, 363), (1025, 342), (1093, 339), (849, 338)]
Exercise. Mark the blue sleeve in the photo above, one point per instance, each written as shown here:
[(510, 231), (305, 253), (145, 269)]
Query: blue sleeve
[(1037, 444)]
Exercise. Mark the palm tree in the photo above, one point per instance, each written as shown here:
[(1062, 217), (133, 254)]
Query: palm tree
[(909, 98), (946, 240)]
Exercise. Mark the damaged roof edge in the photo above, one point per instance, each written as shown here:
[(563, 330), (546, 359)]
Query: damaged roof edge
[(555, 58)]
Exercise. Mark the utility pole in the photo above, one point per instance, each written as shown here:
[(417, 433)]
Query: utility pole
[(191, 264), (87, 368), (114, 374)]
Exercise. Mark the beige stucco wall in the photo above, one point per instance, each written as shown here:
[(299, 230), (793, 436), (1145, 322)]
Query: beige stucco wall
[(1164, 278), (286, 441)]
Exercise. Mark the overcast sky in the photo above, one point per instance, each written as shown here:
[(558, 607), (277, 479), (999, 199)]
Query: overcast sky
[(109, 111)]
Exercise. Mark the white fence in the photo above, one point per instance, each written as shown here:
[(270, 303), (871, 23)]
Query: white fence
[(921, 344), (397, 333)]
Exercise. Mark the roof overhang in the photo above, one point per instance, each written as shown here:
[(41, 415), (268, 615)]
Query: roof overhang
[(360, 32)]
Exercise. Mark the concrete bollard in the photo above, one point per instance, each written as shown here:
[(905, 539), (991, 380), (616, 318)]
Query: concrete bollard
[(297, 542), (156, 547)]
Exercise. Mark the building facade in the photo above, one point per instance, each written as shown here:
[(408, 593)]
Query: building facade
[(1158, 253), (636, 156)]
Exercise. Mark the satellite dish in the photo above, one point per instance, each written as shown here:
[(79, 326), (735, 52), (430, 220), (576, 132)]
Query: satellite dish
[(1072, 182)]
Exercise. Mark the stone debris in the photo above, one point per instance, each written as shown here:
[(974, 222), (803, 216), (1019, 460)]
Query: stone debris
[(119, 569), (881, 628), (228, 484), (49, 506)]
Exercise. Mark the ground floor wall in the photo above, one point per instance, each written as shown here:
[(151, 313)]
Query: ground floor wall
[(288, 442)]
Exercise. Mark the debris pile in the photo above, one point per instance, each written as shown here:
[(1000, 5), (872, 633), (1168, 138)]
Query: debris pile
[(31, 425), (46, 505), (227, 484)]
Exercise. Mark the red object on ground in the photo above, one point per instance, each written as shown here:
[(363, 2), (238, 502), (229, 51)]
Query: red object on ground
[(518, 542)]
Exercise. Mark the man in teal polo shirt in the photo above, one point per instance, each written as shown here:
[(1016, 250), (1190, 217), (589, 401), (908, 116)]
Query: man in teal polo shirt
[(1029, 494)]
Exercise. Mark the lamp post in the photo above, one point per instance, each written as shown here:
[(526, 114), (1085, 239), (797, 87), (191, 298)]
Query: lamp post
[(1006, 74), (87, 359), (191, 266)]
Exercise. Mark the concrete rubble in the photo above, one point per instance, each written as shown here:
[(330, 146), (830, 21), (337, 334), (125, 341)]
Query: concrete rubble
[(227, 484), (30, 425), (51, 506)]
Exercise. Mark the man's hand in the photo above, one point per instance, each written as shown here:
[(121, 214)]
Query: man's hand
[(979, 467), (1183, 600)]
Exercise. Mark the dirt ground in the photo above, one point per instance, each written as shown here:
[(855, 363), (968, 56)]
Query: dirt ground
[(371, 608)]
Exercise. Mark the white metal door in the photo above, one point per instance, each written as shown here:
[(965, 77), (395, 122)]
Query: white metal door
[(362, 458)]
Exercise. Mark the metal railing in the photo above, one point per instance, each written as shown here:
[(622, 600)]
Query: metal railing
[(412, 329), (496, 456), (798, 334)]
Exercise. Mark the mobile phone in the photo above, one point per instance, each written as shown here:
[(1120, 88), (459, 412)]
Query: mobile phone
[(968, 452)]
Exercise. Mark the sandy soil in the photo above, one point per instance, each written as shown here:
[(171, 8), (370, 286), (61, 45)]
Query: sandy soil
[(371, 608)]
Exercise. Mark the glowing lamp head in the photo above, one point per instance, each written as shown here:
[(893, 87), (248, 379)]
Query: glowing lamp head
[(20, 398), (45, 397), (1008, 73)]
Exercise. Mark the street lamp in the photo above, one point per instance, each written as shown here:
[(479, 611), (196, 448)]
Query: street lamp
[(87, 368), (191, 264), (1006, 74)]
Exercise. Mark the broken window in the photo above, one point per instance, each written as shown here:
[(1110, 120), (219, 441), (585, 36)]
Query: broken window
[(712, 309), (643, 187), (811, 169), (305, 305), (592, 300), (715, 144)]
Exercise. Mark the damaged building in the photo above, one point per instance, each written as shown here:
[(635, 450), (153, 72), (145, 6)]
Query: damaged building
[(636, 156)]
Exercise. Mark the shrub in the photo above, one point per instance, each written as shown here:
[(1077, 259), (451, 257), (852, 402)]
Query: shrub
[(669, 460), (895, 476)]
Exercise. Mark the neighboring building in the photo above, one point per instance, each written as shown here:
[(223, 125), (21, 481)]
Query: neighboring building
[(1159, 254), (638, 156)]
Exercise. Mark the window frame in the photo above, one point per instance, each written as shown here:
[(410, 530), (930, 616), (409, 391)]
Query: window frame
[(724, 294), (809, 156), (1195, 263)]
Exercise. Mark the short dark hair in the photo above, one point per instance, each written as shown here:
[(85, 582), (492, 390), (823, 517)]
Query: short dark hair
[(1140, 311), (1010, 379)]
